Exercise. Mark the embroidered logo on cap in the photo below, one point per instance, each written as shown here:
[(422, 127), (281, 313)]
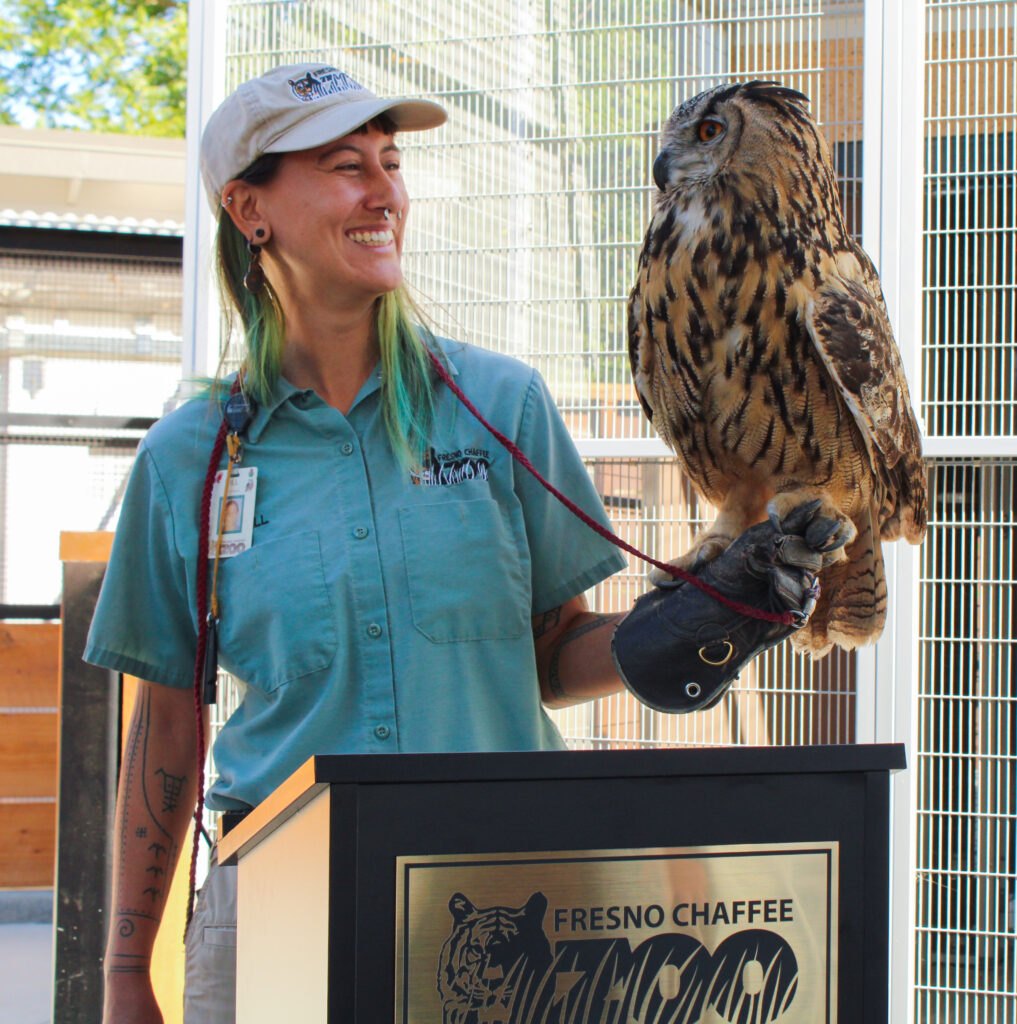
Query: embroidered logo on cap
[(315, 85)]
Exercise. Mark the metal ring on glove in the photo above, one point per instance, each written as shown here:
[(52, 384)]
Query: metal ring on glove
[(693, 690), (724, 660)]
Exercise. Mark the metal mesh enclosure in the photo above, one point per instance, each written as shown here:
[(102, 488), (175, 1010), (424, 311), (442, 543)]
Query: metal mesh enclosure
[(967, 707), (87, 343), (529, 209), (970, 223), (967, 756)]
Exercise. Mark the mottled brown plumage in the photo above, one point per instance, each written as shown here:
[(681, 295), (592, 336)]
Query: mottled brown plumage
[(761, 348)]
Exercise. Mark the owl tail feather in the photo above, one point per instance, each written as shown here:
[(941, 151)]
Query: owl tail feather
[(851, 611)]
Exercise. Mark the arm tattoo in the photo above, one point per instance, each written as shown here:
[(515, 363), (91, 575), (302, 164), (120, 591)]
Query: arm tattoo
[(554, 683), (128, 963), (147, 839), (547, 622), (550, 619)]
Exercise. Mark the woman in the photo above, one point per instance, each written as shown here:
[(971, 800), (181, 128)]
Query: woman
[(405, 587), (397, 557)]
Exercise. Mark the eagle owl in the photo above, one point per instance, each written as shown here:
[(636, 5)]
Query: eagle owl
[(761, 349)]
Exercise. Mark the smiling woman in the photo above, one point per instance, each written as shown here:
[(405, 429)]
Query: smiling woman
[(376, 593)]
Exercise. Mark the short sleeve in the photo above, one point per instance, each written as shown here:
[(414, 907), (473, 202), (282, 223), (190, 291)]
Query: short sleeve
[(567, 556), (143, 623)]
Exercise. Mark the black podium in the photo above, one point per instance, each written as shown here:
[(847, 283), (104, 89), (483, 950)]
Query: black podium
[(740, 885)]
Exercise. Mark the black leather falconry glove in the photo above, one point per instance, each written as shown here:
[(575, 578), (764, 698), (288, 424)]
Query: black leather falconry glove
[(679, 649)]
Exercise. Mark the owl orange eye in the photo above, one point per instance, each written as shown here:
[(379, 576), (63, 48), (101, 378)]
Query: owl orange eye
[(709, 130)]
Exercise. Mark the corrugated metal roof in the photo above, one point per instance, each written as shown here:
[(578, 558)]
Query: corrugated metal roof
[(90, 222)]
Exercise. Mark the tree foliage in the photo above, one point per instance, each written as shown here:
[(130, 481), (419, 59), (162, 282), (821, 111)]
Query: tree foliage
[(104, 65)]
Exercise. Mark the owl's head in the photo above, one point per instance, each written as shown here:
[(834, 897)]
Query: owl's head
[(745, 125)]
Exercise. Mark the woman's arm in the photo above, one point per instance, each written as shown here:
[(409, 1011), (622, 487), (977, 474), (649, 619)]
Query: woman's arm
[(155, 803), (574, 661)]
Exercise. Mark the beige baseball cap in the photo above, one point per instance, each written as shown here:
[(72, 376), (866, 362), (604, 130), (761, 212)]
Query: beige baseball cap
[(298, 106)]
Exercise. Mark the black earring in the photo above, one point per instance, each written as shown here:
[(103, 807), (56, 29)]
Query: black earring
[(254, 279)]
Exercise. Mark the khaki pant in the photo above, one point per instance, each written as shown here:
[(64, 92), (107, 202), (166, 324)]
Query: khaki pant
[(210, 974)]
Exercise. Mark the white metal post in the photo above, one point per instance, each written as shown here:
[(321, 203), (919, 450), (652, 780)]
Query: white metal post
[(893, 135), (205, 78)]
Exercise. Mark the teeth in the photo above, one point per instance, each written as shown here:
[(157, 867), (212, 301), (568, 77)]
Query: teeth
[(372, 237)]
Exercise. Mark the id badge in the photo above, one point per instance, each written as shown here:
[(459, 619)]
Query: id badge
[(237, 534)]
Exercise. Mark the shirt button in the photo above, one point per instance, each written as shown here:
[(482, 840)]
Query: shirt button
[(361, 532), (347, 448), (374, 631), (382, 732)]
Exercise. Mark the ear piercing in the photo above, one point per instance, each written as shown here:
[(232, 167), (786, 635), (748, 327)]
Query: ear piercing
[(254, 279), (224, 203)]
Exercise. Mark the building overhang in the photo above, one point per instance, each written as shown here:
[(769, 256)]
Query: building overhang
[(91, 180)]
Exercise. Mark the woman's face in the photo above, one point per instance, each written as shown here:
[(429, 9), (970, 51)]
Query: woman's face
[(325, 208)]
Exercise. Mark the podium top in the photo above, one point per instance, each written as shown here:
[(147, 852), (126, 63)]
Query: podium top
[(333, 769), (326, 770)]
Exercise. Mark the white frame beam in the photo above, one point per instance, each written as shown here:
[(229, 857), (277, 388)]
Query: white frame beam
[(206, 40), (894, 91)]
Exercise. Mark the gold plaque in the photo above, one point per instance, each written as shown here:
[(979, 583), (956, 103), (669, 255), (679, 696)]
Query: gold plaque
[(687, 935)]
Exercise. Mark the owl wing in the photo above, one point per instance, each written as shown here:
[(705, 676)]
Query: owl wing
[(851, 332)]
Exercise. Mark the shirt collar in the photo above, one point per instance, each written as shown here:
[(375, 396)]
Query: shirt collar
[(284, 391)]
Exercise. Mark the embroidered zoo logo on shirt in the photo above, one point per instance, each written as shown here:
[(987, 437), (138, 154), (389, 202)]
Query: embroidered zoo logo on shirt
[(445, 469)]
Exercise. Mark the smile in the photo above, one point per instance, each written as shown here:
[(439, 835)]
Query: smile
[(374, 238)]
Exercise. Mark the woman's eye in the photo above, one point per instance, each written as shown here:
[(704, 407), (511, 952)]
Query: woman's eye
[(709, 130), (347, 167)]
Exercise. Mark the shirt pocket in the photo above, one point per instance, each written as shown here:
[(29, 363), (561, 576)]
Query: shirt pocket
[(468, 572), (277, 619)]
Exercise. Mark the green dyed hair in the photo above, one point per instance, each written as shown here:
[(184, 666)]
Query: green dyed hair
[(407, 379)]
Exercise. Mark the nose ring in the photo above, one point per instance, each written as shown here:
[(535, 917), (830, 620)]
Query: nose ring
[(386, 213)]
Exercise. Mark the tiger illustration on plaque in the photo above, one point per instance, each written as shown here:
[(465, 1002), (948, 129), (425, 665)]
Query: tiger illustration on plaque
[(491, 960), (497, 967)]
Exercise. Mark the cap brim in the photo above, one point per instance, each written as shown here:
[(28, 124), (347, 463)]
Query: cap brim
[(336, 121)]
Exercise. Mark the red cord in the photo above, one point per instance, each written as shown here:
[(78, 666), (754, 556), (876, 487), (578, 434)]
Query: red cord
[(202, 582), (199, 660), (753, 613)]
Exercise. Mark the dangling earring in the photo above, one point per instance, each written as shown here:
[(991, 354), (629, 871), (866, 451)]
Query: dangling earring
[(254, 279)]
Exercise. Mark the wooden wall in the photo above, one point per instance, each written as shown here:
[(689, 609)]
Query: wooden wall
[(29, 732)]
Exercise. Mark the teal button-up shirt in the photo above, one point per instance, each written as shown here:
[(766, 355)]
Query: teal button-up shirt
[(375, 611)]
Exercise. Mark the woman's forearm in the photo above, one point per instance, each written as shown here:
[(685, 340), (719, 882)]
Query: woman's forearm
[(155, 802), (574, 661)]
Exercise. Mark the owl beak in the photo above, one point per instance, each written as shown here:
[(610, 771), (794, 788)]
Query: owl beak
[(660, 170)]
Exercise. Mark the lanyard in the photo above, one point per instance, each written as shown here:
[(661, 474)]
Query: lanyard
[(237, 414)]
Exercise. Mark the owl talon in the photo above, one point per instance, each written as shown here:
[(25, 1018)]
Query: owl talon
[(821, 534), (796, 520)]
